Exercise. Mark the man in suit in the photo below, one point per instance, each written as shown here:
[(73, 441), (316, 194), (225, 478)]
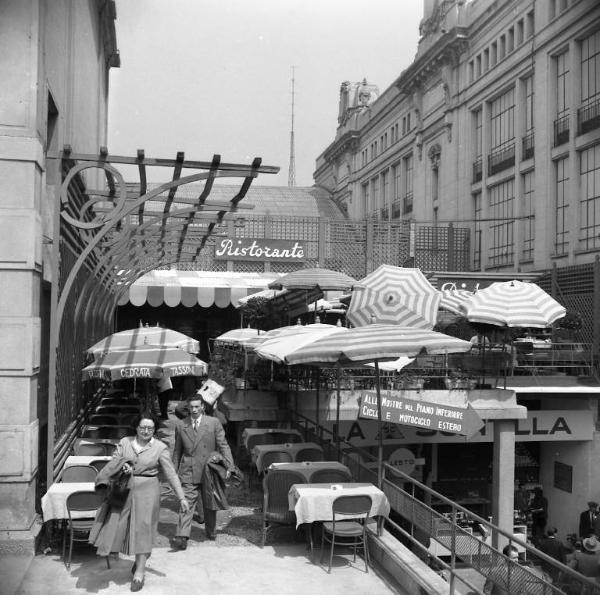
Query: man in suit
[(587, 520), (196, 438), (553, 547)]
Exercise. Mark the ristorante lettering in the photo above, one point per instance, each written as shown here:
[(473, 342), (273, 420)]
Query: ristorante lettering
[(246, 248)]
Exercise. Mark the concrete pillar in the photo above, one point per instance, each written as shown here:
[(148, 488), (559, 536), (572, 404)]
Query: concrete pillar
[(503, 478)]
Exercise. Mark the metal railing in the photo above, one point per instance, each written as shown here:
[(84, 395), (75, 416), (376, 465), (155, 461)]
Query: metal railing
[(501, 158), (588, 117), (527, 146), (561, 130), (455, 541)]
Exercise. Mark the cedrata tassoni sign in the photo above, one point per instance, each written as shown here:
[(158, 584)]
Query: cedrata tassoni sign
[(116, 373), (259, 249)]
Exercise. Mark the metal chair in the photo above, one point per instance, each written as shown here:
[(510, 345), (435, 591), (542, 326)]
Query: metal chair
[(100, 419), (79, 528), (285, 437), (276, 486), (98, 464), (95, 450), (309, 454), (78, 474), (259, 439), (351, 533), (275, 456), (97, 432), (330, 476), (119, 432)]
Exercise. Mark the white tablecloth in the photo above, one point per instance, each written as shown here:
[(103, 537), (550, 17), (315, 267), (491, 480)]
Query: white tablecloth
[(307, 468), (259, 451), (313, 501), (84, 459), (54, 501), (261, 431)]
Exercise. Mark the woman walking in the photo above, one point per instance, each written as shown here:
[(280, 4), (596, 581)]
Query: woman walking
[(131, 529)]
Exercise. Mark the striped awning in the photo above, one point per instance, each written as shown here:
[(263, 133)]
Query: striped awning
[(188, 288)]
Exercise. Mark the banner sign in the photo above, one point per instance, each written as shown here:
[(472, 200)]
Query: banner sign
[(422, 414), (539, 426), (262, 249)]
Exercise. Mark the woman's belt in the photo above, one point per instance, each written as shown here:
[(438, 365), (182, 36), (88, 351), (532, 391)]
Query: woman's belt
[(145, 474)]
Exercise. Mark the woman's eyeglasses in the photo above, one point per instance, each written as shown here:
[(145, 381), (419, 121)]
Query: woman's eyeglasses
[(146, 428)]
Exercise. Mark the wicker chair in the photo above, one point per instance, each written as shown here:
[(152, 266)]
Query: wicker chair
[(276, 486), (330, 476), (78, 474), (275, 456), (309, 454)]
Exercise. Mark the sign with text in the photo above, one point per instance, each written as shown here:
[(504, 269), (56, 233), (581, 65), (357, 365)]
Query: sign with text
[(262, 249), (422, 414)]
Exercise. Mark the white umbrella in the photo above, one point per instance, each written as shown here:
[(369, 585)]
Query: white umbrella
[(394, 295), (514, 304)]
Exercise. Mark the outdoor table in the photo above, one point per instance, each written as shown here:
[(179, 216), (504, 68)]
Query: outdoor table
[(96, 441), (261, 431), (308, 467), (313, 501), (84, 459), (54, 501), (260, 449)]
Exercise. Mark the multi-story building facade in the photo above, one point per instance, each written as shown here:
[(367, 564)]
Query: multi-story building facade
[(494, 126), (55, 58)]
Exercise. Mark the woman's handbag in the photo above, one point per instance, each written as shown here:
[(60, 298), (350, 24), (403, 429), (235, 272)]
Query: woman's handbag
[(118, 489)]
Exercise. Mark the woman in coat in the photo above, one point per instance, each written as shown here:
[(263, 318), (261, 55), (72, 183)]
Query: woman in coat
[(131, 529)]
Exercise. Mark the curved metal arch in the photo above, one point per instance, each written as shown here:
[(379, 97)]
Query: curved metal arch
[(108, 263)]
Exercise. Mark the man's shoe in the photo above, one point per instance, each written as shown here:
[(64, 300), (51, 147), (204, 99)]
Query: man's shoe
[(180, 543), (211, 536)]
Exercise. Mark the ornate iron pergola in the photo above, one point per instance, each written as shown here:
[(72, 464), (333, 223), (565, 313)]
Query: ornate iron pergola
[(108, 233)]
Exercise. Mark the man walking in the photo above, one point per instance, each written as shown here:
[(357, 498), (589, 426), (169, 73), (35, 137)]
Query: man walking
[(196, 438)]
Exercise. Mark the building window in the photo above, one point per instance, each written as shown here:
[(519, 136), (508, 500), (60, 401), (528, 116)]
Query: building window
[(471, 71), (588, 115), (385, 194), (478, 66), (561, 124), (510, 42), (502, 199), (366, 207), (494, 54), (502, 131), (408, 185), (396, 191), (528, 139), (528, 216), (530, 24), (477, 233), (561, 242), (520, 32), (486, 60), (589, 171), (478, 142), (374, 211)]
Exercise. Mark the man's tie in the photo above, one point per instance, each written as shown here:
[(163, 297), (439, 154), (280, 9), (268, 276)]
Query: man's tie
[(195, 425)]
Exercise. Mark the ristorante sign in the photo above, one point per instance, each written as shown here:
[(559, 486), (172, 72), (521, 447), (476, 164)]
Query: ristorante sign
[(259, 249)]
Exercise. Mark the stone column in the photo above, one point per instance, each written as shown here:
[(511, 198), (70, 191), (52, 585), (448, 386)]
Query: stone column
[(21, 179), (503, 479)]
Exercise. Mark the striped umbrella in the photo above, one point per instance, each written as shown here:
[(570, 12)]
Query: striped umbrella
[(277, 348), (144, 335), (375, 342), (238, 336), (514, 304), (394, 295), (145, 361), (455, 300), (324, 279)]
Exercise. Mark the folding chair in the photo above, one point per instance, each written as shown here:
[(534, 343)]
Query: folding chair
[(78, 474), (309, 454), (351, 533), (79, 528)]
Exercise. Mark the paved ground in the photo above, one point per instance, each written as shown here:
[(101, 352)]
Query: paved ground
[(233, 564)]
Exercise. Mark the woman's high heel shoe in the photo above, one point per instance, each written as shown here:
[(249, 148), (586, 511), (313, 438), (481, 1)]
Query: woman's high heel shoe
[(137, 585)]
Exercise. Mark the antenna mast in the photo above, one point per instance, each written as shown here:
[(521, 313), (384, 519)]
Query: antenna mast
[(292, 168)]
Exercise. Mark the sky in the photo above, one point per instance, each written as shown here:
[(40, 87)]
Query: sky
[(215, 76)]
